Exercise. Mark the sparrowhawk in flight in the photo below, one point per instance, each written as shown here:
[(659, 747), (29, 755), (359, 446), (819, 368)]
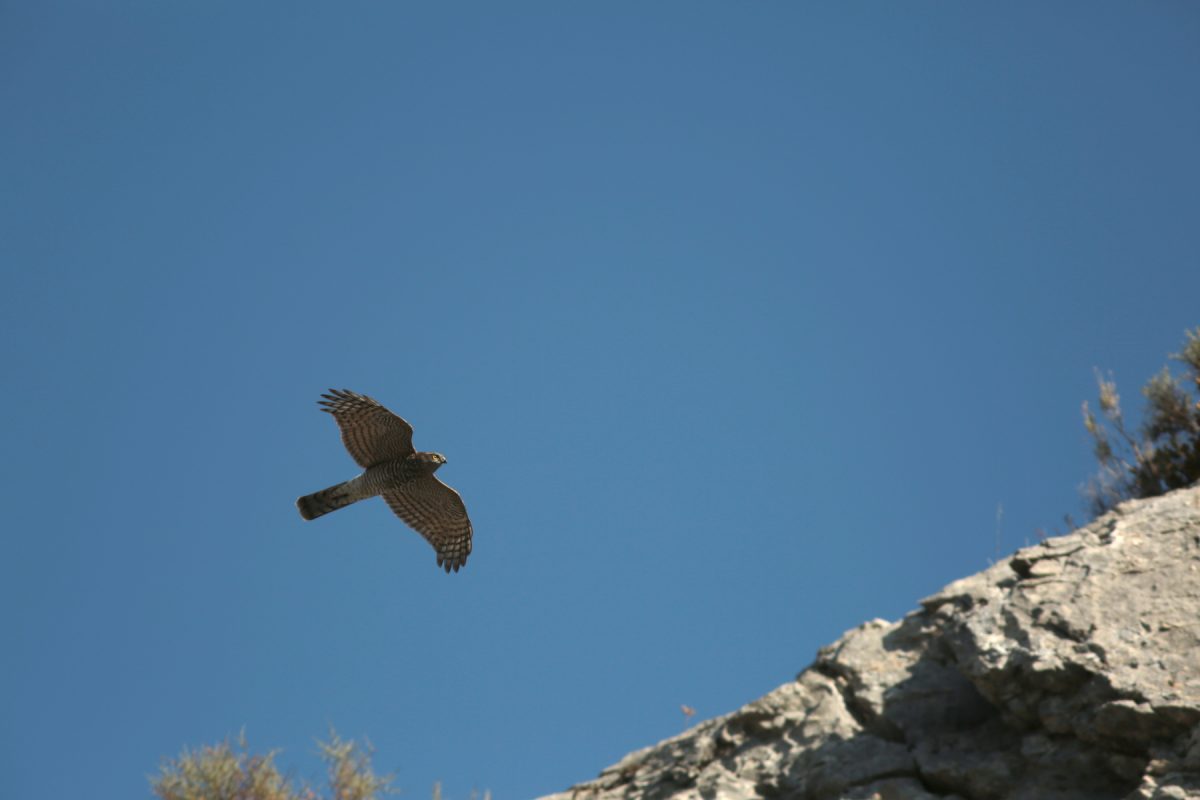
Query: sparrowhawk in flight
[(381, 443)]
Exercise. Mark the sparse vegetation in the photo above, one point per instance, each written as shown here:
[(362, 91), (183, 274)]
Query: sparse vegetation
[(228, 772), (1164, 451)]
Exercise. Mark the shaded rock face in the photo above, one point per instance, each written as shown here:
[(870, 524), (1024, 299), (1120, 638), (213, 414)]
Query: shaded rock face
[(1069, 672)]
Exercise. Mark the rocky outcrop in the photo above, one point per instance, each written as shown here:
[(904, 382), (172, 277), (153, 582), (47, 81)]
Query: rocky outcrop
[(1071, 671)]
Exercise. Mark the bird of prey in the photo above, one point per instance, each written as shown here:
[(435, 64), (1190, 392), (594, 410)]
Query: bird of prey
[(381, 443)]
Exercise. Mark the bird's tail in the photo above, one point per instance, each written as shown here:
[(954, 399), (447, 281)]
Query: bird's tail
[(320, 503)]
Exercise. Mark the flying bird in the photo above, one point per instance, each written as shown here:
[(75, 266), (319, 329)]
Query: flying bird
[(381, 443)]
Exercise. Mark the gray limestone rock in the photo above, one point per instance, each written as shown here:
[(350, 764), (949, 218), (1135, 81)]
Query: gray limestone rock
[(1069, 672)]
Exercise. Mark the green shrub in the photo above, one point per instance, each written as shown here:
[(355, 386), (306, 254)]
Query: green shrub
[(1164, 453), (226, 772)]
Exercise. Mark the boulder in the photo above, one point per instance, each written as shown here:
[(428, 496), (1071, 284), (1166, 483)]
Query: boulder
[(1070, 671)]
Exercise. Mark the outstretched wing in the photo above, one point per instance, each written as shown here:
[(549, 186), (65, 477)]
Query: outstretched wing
[(435, 511), (370, 432)]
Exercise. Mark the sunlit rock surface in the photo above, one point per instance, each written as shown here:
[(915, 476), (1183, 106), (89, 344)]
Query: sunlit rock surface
[(1071, 671)]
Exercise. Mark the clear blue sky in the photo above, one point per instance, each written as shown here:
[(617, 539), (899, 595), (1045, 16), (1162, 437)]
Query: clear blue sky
[(736, 323)]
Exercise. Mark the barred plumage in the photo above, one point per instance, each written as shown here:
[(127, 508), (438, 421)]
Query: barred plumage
[(381, 442), (320, 503), (370, 432)]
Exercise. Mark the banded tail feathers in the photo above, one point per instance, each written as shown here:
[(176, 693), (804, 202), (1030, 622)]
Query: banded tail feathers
[(320, 503)]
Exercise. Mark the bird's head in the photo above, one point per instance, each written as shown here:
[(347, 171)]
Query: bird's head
[(431, 460)]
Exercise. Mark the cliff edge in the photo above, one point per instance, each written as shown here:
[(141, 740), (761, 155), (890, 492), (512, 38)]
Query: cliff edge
[(1070, 671)]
